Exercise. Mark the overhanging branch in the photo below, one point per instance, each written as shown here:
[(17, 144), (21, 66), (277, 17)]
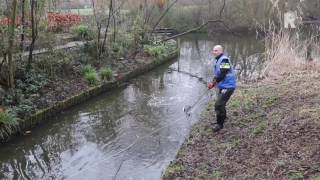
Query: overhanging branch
[(200, 27)]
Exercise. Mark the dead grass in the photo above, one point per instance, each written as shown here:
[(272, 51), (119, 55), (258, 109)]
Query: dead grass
[(287, 53)]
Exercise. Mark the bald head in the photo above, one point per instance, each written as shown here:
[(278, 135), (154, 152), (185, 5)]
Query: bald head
[(217, 50)]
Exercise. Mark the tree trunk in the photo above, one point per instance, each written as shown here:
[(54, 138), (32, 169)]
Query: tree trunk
[(107, 27), (114, 27), (98, 24), (10, 45), (33, 34), (23, 28)]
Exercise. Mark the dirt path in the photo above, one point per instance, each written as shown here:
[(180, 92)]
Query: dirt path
[(273, 132), (65, 46)]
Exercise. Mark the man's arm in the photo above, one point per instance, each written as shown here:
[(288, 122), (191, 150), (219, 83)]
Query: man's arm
[(224, 69)]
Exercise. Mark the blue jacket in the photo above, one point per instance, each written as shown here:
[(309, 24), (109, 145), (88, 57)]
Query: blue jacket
[(229, 82)]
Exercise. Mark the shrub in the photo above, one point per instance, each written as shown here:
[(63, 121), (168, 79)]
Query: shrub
[(59, 21), (30, 82), (56, 63), (123, 42), (91, 77), (5, 21), (106, 74), (81, 31), (88, 69)]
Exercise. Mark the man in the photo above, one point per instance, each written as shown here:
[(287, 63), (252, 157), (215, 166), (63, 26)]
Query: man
[(225, 80)]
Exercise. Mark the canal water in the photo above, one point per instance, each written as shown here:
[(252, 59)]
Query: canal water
[(129, 133)]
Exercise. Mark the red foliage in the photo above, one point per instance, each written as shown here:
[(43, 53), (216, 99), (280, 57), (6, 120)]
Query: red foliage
[(58, 21), (6, 21)]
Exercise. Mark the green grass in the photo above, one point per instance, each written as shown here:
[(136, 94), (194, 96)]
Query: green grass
[(106, 73), (80, 30), (269, 101), (216, 174), (260, 128), (87, 69), (172, 169), (7, 118), (154, 50), (315, 178), (8, 122), (295, 175), (309, 111), (91, 77)]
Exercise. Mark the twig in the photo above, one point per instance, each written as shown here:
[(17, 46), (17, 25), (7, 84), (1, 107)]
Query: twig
[(115, 176)]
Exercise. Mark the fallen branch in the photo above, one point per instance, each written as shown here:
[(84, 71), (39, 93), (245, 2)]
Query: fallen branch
[(200, 27)]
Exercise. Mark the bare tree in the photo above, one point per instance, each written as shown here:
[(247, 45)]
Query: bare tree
[(100, 17)]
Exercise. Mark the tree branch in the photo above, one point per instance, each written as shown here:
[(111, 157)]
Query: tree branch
[(163, 14), (222, 9), (193, 30)]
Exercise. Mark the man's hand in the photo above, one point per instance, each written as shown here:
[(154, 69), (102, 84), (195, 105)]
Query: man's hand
[(212, 84)]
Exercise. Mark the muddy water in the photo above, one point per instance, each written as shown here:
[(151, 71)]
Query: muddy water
[(129, 133)]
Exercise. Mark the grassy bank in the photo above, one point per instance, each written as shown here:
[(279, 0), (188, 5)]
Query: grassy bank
[(272, 133)]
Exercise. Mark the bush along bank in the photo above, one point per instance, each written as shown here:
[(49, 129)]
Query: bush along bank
[(272, 133), (78, 81)]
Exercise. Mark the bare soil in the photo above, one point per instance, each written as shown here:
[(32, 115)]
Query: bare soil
[(64, 88)]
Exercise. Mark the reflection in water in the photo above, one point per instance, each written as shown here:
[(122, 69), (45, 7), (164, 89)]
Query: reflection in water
[(245, 52), (132, 133)]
